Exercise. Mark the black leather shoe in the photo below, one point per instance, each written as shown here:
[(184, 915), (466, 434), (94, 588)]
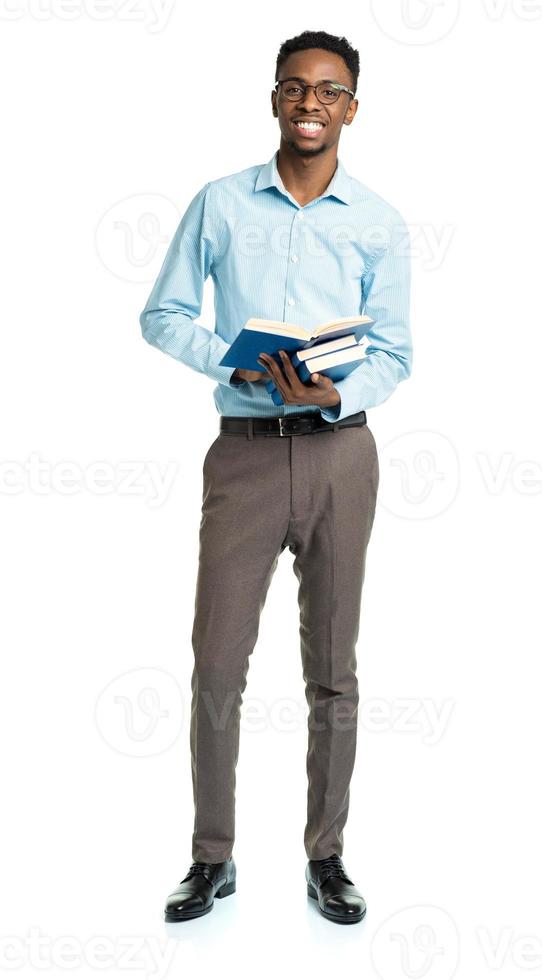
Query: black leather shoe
[(196, 892), (338, 898)]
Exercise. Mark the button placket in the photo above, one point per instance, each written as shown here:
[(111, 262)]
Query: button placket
[(292, 259), (293, 256)]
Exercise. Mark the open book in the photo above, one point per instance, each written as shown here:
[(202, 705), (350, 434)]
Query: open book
[(270, 336)]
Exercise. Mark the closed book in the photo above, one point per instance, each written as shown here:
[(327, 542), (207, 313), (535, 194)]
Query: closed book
[(335, 366), (335, 363), (270, 336)]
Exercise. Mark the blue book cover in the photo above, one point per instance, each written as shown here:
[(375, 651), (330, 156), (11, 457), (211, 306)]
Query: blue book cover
[(336, 363), (270, 336), (337, 372)]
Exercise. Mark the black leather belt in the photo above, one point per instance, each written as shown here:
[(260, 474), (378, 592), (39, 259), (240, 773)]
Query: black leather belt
[(287, 425)]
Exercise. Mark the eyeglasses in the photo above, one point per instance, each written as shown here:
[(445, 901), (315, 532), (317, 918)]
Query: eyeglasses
[(294, 90)]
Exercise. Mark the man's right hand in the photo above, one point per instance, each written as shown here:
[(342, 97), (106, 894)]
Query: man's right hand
[(241, 375)]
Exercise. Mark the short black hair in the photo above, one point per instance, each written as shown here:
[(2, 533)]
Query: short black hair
[(328, 42)]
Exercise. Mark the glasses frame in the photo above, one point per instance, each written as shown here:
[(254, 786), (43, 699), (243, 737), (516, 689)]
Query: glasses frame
[(304, 86)]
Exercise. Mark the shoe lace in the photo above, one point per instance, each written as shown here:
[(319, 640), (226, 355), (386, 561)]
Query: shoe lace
[(332, 867), (199, 868)]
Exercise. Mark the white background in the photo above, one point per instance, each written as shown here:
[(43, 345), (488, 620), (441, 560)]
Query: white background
[(117, 115)]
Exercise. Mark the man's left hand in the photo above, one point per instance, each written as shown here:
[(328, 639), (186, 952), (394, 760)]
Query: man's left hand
[(293, 392)]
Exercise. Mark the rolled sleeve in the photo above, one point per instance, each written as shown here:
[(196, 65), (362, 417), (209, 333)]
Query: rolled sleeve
[(167, 320), (388, 361)]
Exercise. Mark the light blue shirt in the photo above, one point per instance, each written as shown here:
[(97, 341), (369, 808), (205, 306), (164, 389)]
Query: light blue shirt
[(345, 252)]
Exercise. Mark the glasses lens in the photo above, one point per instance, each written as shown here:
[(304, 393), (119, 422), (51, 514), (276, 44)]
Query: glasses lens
[(327, 93), (292, 90)]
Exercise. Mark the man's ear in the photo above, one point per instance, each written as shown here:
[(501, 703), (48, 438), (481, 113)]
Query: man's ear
[(349, 114), (273, 103)]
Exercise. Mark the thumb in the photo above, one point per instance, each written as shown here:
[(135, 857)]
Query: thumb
[(321, 380)]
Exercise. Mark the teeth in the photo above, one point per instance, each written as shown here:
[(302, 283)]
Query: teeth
[(309, 125)]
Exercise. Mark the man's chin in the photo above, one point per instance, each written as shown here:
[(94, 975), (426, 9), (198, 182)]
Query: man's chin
[(304, 150)]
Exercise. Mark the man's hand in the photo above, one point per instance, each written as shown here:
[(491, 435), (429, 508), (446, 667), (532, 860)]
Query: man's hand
[(249, 375), (322, 393)]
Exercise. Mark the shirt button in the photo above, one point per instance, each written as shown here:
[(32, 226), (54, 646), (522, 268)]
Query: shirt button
[(300, 215), (294, 258), (291, 302)]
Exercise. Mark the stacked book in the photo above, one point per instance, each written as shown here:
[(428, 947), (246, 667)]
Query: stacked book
[(334, 348)]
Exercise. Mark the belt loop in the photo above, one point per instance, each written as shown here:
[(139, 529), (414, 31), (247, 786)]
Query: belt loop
[(335, 426), (250, 433)]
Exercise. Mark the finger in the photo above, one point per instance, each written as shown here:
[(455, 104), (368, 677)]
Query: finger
[(289, 379), (288, 367), (278, 377), (271, 372), (269, 363), (296, 388), (275, 372)]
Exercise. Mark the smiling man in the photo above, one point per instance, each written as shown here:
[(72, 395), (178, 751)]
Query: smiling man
[(296, 239)]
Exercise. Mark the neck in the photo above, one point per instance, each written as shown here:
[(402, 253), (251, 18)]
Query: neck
[(306, 177)]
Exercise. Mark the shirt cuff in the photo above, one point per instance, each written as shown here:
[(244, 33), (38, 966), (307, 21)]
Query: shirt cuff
[(348, 405), (332, 414), (236, 382), (220, 372)]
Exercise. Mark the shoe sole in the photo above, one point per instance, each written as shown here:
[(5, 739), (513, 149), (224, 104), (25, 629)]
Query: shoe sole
[(221, 893), (341, 919)]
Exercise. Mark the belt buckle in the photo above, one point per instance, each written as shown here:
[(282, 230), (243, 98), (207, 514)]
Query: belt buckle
[(295, 422)]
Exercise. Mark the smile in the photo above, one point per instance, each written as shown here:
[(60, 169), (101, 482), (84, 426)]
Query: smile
[(308, 128)]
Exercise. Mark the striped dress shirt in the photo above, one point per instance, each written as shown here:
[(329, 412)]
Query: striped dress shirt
[(345, 252)]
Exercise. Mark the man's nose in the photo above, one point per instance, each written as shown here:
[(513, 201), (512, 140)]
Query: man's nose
[(309, 100)]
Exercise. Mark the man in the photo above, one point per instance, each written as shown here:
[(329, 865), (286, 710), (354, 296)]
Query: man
[(297, 240)]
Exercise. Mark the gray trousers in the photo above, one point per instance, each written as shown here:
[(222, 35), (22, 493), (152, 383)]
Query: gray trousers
[(315, 493)]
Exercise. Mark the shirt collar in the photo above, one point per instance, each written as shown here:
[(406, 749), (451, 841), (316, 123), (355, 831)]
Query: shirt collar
[(339, 185)]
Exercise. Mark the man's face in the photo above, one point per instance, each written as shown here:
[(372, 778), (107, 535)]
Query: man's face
[(313, 66)]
